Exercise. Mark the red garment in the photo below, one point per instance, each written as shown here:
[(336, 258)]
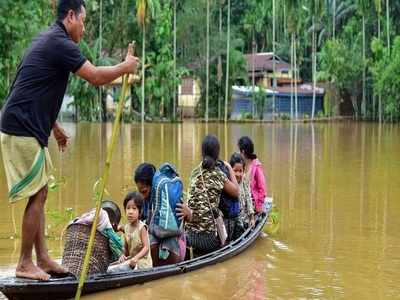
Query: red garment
[(258, 186)]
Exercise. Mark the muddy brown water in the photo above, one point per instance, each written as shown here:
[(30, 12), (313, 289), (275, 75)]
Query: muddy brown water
[(337, 186)]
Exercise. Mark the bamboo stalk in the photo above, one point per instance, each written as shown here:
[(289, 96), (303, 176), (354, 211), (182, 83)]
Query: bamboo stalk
[(103, 181)]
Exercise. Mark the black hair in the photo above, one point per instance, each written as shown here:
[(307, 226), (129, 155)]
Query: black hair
[(246, 145), (64, 6), (210, 151), (236, 158), (137, 199), (144, 173)]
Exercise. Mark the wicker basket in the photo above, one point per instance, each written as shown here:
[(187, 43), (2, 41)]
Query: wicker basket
[(76, 239)]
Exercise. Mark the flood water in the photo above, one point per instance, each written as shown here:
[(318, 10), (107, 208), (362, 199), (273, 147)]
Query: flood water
[(337, 186)]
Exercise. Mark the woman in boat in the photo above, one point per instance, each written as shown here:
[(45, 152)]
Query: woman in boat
[(246, 203), (176, 245), (206, 184), (137, 245), (253, 172)]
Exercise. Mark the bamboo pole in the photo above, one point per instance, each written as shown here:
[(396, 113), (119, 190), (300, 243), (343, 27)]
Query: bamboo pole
[(103, 181)]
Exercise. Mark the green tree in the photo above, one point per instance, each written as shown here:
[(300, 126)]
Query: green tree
[(341, 64), (20, 21), (386, 74)]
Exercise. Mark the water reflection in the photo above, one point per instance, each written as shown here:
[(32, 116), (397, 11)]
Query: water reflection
[(336, 185)]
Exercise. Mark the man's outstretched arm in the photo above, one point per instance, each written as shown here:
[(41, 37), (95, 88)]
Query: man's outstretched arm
[(106, 74)]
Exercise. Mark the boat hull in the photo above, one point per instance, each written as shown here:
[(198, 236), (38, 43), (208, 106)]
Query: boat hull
[(64, 288)]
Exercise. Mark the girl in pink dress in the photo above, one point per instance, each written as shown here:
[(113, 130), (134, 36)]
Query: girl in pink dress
[(254, 172)]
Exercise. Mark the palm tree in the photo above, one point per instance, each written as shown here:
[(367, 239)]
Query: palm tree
[(333, 18), (207, 59), (174, 98), (339, 13), (387, 24), (143, 8), (316, 9), (219, 72), (293, 6), (273, 59), (292, 75), (363, 9), (378, 8), (227, 60)]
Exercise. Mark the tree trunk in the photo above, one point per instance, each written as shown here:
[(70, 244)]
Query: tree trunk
[(227, 61), (174, 99), (334, 19), (379, 96), (314, 68), (295, 77), (253, 81), (143, 68), (291, 78), (388, 24), (284, 21), (207, 59), (220, 65), (273, 61), (363, 103)]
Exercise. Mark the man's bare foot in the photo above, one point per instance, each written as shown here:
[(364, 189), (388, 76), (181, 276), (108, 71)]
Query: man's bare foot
[(29, 270), (50, 266)]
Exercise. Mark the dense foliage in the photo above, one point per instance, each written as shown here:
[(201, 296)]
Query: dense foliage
[(355, 44)]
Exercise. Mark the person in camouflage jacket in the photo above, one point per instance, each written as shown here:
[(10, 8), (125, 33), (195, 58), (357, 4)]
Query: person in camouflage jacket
[(207, 182)]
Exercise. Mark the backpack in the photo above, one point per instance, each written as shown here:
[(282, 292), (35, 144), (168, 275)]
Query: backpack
[(229, 206), (166, 193)]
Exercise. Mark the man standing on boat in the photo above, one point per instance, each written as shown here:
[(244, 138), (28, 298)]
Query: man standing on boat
[(30, 114)]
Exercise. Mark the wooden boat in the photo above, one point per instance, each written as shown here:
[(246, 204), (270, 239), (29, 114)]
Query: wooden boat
[(64, 288)]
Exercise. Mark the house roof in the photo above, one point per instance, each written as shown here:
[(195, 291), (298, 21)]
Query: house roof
[(303, 89), (264, 62)]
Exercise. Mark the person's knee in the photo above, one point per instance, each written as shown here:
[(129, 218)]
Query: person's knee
[(41, 196)]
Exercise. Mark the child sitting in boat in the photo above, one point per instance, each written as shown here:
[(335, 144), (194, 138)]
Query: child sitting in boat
[(207, 182), (165, 249), (246, 204), (254, 172), (137, 245)]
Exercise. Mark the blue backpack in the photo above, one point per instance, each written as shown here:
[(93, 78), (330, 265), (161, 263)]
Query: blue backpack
[(166, 193)]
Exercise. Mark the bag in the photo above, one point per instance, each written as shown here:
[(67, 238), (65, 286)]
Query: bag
[(221, 229), (217, 216), (229, 206), (166, 193)]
